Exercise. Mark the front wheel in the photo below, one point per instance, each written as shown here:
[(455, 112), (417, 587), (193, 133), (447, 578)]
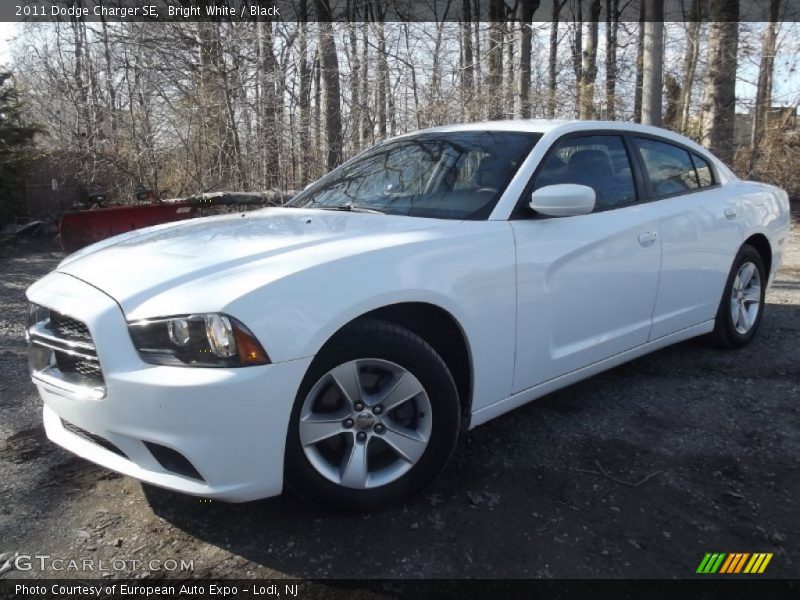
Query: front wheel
[(742, 304), (375, 420)]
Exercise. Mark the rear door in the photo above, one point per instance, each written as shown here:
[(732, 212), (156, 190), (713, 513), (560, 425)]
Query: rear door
[(699, 225), (586, 285)]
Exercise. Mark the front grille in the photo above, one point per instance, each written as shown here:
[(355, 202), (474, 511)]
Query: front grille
[(68, 328), (62, 352), (85, 367), (92, 437)]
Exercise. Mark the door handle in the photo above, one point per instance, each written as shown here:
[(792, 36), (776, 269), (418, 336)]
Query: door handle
[(730, 212), (647, 238)]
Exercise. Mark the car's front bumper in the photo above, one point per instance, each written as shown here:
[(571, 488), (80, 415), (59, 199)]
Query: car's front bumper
[(229, 424)]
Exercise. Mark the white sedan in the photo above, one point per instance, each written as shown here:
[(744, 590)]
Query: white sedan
[(342, 343)]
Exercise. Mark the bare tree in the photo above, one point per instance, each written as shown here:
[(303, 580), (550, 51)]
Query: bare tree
[(552, 62), (637, 98), (577, 48), (612, 34), (467, 67), (355, 73), (268, 106), (765, 75), (494, 76), (689, 65), (330, 77), (653, 62), (188, 107), (719, 102), (589, 67), (304, 100)]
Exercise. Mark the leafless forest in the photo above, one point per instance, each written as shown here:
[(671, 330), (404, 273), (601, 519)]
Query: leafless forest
[(187, 107)]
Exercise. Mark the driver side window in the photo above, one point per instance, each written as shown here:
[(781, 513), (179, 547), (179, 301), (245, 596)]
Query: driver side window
[(598, 161)]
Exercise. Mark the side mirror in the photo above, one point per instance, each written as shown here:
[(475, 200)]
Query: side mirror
[(563, 200)]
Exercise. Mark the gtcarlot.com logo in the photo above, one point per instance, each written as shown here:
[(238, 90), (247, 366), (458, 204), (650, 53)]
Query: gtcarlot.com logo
[(45, 562), (734, 563)]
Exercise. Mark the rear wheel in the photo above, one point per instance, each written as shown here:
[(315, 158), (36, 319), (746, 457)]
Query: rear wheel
[(742, 304), (375, 420)]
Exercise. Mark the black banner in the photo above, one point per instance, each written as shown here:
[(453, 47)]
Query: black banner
[(368, 10), (710, 588)]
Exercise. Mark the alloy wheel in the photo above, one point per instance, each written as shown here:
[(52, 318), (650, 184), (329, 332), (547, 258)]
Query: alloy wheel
[(745, 298), (365, 423)]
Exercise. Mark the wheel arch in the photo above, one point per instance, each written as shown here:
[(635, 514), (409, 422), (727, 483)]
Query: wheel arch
[(761, 243), (439, 328)]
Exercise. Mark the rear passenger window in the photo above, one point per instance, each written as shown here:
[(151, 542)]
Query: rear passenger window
[(669, 168), (703, 169), (597, 161)]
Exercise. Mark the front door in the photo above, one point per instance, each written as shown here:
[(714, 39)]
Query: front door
[(586, 285)]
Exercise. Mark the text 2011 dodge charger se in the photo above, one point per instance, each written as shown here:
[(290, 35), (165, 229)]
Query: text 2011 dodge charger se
[(340, 344)]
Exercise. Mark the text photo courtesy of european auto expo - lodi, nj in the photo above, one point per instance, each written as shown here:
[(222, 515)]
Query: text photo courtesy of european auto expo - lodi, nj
[(404, 298)]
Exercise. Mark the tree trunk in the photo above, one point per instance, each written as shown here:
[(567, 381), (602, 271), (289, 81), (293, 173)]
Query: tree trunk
[(268, 105), (467, 68), (317, 141), (577, 53), (355, 73), (719, 103), (414, 89), (689, 66), (494, 78), (112, 100), (330, 78), (216, 138), (764, 90), (478, 57), (589, 68), (525, 12), (552, 61), (305, 97), (653, 63), (510, 78), (367, 129), (383, 81), (612, 29), (637, 94)]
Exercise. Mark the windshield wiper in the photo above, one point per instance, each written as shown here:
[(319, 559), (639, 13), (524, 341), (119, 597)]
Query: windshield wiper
[(351, 208)]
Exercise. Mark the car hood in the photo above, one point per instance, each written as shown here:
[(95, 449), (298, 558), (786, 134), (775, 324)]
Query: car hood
[(244, 249)]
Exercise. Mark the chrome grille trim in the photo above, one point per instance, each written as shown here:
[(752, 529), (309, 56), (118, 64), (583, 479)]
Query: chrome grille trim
[(45, 337), (62, 354)]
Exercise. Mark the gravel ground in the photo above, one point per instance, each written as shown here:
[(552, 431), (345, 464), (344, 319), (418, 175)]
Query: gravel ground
[(636, 472)]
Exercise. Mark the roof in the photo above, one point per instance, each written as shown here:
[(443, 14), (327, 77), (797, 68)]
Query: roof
[(559, 127)]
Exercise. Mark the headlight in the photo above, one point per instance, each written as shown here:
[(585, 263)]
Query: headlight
[(202, 340)]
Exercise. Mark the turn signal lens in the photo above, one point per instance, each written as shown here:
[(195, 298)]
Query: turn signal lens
[(250, 351)]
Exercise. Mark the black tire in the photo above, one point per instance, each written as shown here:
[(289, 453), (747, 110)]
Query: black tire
[(377, 339), (725, 335)]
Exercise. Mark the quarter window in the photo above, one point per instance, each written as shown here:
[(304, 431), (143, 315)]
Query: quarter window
[(597, 161), (669, 168), (704, 175)]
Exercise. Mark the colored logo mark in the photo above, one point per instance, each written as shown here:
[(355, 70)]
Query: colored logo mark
[(733, 563)]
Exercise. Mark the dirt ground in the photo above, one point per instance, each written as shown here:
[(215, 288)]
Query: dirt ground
[(633, 473)]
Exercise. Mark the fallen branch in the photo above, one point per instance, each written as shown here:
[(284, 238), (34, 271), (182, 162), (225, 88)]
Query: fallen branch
[(266, 198), (603, 473)]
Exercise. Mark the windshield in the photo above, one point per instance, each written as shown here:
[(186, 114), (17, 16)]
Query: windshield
[(456, 175)]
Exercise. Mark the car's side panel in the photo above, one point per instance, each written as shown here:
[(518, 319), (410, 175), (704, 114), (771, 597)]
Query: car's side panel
[(586, 288), (469, 273), (528, 395), (701, 233), (765, 210)]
